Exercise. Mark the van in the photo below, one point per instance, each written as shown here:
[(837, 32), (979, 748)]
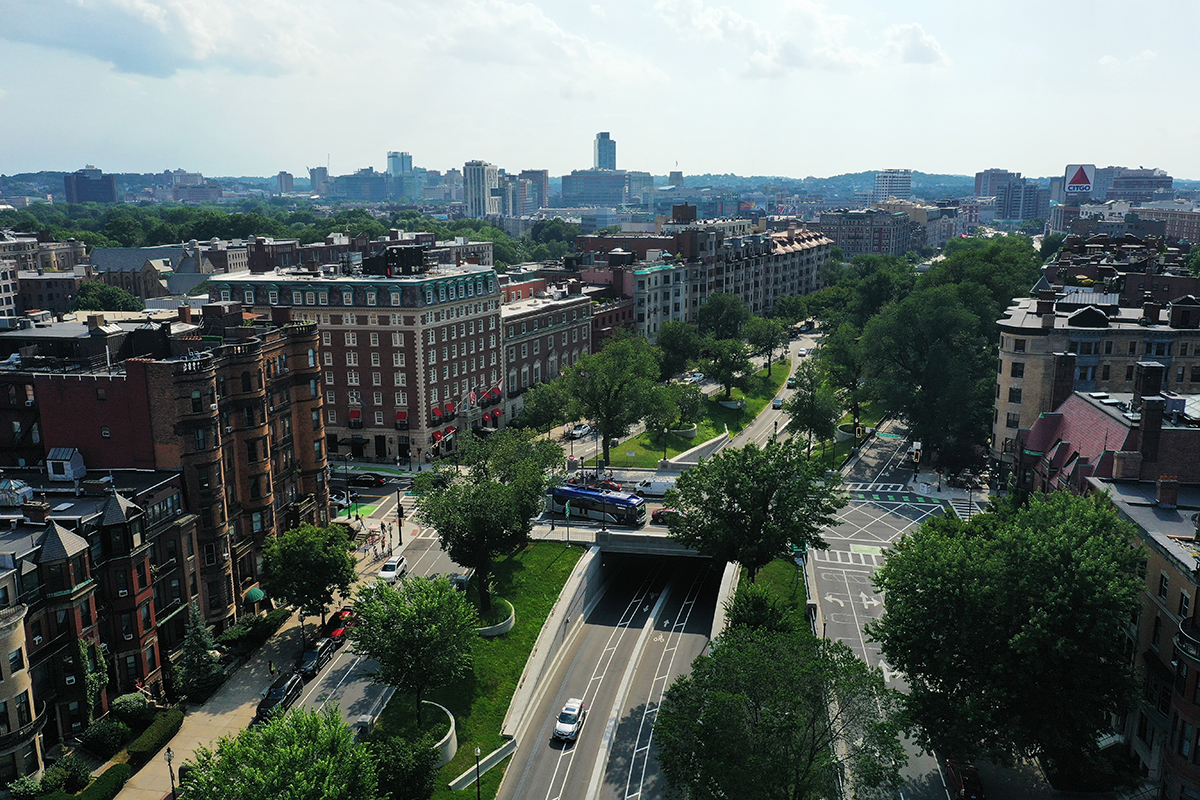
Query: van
[(656, 487), (394, 568)]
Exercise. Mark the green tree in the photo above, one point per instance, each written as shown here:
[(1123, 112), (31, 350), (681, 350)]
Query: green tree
[(791, 308), (690, 401), (405, 769), (813, 408), (755, 720), (1010, 629), (199, 666), (727, 361), (544, 405), (96, 296), (680, 345), (766, 335), (753, 505), (613, 387), (487, 510), (759, 607), (844, 363), (1051, 244), (303, 567), (721, 316), (300, 754), (419, 631)]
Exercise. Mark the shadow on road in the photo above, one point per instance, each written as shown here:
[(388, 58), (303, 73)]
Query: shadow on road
[(632, 766)]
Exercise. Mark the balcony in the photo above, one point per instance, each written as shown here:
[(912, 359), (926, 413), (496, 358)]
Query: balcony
[(1188, 638), (25, 732)]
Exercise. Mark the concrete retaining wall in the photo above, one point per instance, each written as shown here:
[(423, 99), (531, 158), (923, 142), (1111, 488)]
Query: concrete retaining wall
[(448, 746), (729, 585), (582, 589), (694, 456), (487, 762), (502, 628)]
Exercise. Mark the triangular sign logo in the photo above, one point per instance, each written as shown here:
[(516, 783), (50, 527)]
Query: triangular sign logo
[(1080, 178)]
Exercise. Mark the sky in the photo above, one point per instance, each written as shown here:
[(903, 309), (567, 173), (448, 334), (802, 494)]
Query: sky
[(772, 87)]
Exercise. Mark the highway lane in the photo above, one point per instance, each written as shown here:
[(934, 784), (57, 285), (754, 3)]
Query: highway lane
[(613, 660)]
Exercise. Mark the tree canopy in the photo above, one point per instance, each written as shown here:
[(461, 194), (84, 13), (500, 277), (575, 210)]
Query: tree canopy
[(97, 296), (300, 754), (753, 721), (420, 632), (680, 345), (198, 670), (766, 335), (753, 505), (727, 361), (722, 315), (813, 409), (486, 510), (1010, 628), (614, 386), (304, 566)]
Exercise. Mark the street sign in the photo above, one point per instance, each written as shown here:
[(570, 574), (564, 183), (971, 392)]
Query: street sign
[(630, 453), (888, 435)]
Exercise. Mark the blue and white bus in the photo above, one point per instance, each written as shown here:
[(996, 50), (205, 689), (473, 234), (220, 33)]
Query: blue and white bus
[(618, 508)]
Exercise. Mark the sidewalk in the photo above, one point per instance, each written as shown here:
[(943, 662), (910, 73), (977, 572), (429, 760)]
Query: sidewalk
[(232, 707)]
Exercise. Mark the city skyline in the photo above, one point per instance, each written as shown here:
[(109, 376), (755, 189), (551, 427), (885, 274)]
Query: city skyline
[(760, 89)]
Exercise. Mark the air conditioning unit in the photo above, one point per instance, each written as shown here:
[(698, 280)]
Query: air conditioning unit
[(122, 592), (29, 404), (37, 640), (229, 429), (70, 680), (213, 407), (129, 637)]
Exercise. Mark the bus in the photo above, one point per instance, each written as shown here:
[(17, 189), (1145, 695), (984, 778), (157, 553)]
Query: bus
[(618, 508)]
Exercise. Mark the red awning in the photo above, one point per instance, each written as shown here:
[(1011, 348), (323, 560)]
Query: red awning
[(449, 408), (451, 430), (355, 413), (437, 411), (497, 412), (401, 416), (494, 392), (437, 436), (487, 415)]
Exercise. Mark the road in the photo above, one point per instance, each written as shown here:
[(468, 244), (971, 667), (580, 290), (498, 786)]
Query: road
[(652, 621)]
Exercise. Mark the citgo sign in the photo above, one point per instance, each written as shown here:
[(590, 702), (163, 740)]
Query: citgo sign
[(1079, 178)]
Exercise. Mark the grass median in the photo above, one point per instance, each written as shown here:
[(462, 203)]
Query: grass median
[(531, 580)]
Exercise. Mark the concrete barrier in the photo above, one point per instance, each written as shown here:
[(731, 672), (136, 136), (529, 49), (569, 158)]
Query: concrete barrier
[(580, 592), (485, 763), (492, 631), (695, 455), (728, 588), (448, 746)]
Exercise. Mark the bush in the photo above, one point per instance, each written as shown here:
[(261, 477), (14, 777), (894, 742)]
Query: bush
[(132, 708), (105, 787), (69, 775), (251, 632), (155, 737), (104, 738), (25, 787)]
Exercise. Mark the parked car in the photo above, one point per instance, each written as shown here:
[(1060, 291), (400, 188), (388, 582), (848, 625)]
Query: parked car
[(316, 657), (777, 402), (280, 696), (610, 485), (457, 580), (653, 487), (661, 516), (368, 479), (393, 569), (802, 352), (963, 780), (339, 625), (695, 377), (580, 431), (570, 720)]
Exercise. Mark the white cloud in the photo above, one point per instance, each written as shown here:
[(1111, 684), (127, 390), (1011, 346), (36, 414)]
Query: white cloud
[(598, 11), (910, 44), (1137, 59)]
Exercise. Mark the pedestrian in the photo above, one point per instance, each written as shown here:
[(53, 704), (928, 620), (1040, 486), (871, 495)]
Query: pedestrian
[(271, 666)]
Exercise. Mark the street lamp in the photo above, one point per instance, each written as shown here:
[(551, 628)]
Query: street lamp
[(170, 756), (478, 791), (418, 459), (664, 446)]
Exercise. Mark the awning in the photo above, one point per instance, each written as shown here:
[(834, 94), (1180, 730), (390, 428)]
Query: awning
[(497, 412), (437, 411), (487, 415), (449, 409), (437, 436), (401, 416), (451, 431), (254, 594), (355, 413)]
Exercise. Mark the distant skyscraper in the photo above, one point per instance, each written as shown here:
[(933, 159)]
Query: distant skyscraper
[(398, 163), (988, 182), (605, 152), (479, 179), (893, 183), (286, 183), (539, 193), (90, 185), (675, 178), (318, 177)]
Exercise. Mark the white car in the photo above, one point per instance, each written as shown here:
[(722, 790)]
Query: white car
[(570, 720), (393, 569), (580, 431), (802, 352), (696, 377)]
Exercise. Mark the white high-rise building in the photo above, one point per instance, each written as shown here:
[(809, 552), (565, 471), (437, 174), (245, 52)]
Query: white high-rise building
[(895, 183), (479, 179), (398, 163)]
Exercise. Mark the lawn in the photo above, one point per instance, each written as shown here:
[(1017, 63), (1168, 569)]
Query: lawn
[(783, 578), (531, 580), (647, 447), (870, 415)]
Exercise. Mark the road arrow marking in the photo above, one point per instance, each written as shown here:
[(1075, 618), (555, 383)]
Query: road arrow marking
[(867, 601), (889, 674), (831, 599)]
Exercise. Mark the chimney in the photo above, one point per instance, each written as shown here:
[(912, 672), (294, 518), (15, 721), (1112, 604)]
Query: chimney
[(95, 321), (35, 511), (1150, 312), (280, 315), (1168, 492), (185, 314), (1045, 302), (1062, 380), (1151, 426), (1147, 380)]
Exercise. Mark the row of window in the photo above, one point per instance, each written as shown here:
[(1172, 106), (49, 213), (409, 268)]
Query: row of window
[(536, 343), (443, 292), (1094, 347), (525, 326)]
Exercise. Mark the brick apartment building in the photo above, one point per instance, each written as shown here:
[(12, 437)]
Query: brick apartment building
[(405, 346), (543, 335), (867, 231), (235, 408)]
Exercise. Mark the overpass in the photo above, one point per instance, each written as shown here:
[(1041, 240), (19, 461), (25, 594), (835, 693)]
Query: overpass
[(641, 543)]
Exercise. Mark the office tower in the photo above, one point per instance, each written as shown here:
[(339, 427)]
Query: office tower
[(318, 177), (539, 194), (605, 151), (90, 185), (893, 183), (479, 179), (398, 163), (287, 183), (987, 183)]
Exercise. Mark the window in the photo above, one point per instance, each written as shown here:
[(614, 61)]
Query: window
[(331, 416), (377, 397), (248, 296), (1013, 420), (351, 339), (273, 297), (1133, 348), (1104, 372), (326, 338), (327, 358), (1014, 395), (1129, 373), (1184, 603), (1018, 369), (352, 378), (16, 661), (1156, 635), (1108, 347), (376, 378), (1162, 586), (201, 435), (351, 359), (348, 298), (197, 402), (1018, 345)]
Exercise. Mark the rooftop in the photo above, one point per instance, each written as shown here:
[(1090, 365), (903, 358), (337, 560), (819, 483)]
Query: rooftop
[(1171, 530)]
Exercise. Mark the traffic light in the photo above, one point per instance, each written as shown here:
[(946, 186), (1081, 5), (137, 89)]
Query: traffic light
[(858, 432), (916, 456)]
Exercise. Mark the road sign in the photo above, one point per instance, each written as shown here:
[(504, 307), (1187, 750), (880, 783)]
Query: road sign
[(630, 453), (888, 435)]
